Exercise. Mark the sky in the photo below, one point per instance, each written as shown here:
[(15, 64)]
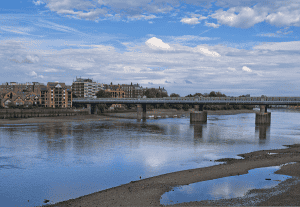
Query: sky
[(192, 46)]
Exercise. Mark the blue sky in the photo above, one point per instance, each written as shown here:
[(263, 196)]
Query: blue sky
[(235, 47)]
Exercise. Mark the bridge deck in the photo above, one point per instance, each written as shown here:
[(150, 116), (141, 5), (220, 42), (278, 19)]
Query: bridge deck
[(195, 100)]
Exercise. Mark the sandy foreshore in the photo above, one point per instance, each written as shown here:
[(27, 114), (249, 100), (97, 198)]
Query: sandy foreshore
[(147, 192)]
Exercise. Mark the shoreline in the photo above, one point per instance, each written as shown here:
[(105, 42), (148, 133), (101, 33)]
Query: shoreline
[(109, 116), (147, 192)]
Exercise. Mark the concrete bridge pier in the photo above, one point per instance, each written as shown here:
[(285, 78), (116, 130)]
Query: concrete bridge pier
[(89, 107), (263, 117), (92, 108), (198, 115), (95, 109), (141, 111)]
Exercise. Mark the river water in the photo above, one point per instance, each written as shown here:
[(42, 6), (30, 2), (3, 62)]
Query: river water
[(59, 161)]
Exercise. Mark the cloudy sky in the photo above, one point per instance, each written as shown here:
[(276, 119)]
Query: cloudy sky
[(233, 46)]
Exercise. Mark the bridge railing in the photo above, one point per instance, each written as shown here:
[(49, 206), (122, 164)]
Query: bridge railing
[(221, 99)]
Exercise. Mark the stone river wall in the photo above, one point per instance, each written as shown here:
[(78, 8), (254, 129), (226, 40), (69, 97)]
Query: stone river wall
[(27, 113)]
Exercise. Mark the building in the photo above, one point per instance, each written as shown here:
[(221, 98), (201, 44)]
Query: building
[(56, 95), (115, 90), (15, 87), (132, 90), (85, 88), (24, 99)]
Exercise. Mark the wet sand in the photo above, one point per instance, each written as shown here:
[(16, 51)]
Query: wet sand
[(147, 192), (79, 118)]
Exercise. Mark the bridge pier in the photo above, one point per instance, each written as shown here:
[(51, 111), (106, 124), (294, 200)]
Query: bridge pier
[(89, 107), (198, 115), (141, 111), (95, 109), (92, 109), (263, 117)]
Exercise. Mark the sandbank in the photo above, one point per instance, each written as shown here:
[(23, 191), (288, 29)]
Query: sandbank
[(147, 192)]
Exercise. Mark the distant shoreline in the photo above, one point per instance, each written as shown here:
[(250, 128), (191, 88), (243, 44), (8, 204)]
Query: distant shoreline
[(112, 116)]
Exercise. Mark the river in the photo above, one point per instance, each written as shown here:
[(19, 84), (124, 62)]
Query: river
[(59, 161)]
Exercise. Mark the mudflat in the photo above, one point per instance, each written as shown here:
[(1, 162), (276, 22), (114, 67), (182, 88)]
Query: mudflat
[(107, 116), (147, 192), (79, 118)]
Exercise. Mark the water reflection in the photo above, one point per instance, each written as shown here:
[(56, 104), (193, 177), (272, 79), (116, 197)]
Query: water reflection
[(262, 131), (224, 188)]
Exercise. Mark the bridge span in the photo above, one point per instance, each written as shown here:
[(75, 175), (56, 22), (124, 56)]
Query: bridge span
[(263, 117)]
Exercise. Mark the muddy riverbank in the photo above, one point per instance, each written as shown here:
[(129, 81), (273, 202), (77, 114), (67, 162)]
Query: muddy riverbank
[(147, 192), (112, 116)]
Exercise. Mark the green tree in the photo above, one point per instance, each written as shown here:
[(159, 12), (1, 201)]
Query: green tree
[(154, 93), (174, 95), (103, 94), (212, 94)]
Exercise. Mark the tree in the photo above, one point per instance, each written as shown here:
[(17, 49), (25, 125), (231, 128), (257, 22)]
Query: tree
[(154, 93), (216, 94), (174, 95), (212, 94), (103, 94)]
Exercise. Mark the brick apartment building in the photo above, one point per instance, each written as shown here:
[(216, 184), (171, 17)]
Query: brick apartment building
[(132, 90), (85, 88), (56, 95), (28, 94)]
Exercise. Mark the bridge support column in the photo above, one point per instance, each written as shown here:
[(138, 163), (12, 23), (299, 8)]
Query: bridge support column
[(95, 109), (198, 115), (141, 111), (89, 107), (263, 117)]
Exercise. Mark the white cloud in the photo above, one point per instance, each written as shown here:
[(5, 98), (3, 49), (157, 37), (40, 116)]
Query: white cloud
[(16, 30), (32, 73), (207, 52), (243, 14), (280, 33), (245, 68), (286, 15), (38, 2), (51, 70), (287, 46), (246, 17), (157, 43), (212, 25), (140, 17), (54, 26), (278, 13), (32, 58), (191, 21), (187, 38), (181, 64)]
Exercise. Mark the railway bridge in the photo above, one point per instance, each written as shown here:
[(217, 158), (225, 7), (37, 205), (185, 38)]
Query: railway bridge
[(198, 115)]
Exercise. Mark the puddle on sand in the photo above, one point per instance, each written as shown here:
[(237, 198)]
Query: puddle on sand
[(224, 188)]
